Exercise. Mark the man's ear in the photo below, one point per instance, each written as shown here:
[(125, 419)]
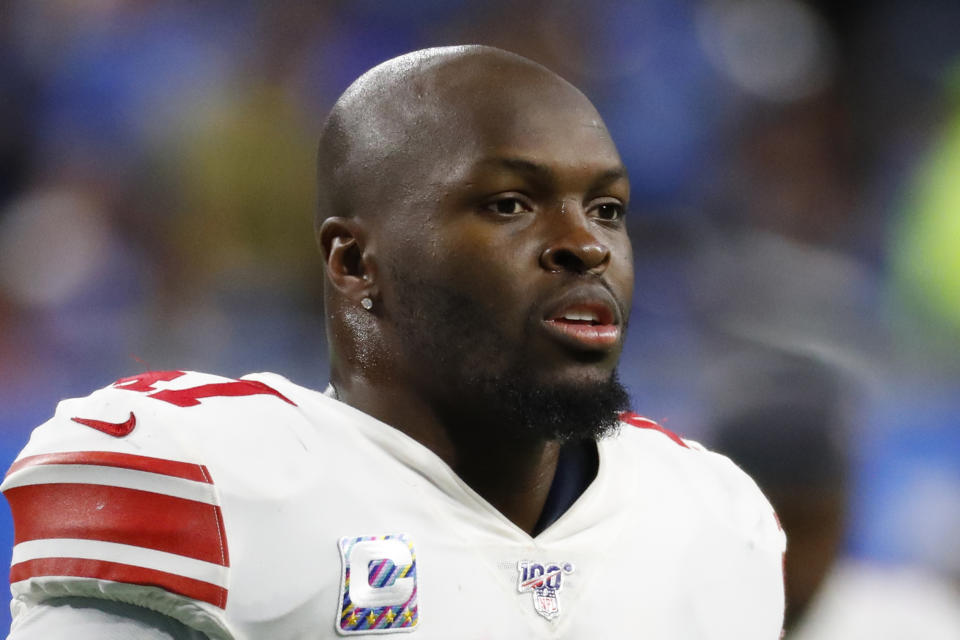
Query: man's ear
[(343, 246)]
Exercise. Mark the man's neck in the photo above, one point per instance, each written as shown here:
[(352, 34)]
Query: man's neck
[(514, 479), (512, 475)]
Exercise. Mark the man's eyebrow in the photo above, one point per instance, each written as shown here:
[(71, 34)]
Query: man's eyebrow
[(543, 173), (535, 170), (610, 176)]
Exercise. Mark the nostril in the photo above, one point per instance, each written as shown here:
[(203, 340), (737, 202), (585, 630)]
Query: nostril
[(566, 260), (582, 259)]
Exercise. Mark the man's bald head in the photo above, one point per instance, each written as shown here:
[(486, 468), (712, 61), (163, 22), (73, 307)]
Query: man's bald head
[(403, 120)]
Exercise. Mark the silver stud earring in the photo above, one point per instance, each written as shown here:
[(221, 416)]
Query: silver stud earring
[(366, 303)]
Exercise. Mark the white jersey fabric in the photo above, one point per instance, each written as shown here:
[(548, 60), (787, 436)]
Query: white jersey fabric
[(255, 508)]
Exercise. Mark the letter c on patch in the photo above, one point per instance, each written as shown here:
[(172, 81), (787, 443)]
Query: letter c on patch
[(359, 557)]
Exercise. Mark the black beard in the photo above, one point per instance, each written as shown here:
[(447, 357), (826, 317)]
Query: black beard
[(559, 412), (482, 383)]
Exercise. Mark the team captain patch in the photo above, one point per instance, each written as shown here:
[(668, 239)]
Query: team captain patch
[(378, 585)]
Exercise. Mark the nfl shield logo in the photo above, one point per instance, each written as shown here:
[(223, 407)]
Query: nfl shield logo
[(545, 582), (547, 605)]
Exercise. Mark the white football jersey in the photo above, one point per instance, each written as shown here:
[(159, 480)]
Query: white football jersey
[(255, 508)]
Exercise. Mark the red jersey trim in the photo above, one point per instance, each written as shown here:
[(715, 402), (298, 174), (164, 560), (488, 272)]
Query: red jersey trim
[(117, 514), (116, 572), (639, 421), (177, 469)]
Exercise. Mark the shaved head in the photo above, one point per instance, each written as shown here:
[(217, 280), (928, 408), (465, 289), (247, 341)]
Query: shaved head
[(399, 123)]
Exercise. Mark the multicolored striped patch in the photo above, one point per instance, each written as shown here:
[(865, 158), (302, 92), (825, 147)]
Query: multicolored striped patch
[(378, 588)]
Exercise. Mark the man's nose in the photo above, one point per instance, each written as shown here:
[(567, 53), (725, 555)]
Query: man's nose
[(573, 246)]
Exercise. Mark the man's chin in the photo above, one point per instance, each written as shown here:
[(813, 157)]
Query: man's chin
[(570, 408)]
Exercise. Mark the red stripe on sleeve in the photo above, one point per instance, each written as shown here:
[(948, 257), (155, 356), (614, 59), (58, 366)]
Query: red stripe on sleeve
[(114, 514), (643, 423), (82, 568), (177, 469)]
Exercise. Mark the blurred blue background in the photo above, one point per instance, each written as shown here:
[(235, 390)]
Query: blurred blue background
[(796, 176)]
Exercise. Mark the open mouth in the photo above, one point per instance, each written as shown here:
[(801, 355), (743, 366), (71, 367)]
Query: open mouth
[(590, 325)]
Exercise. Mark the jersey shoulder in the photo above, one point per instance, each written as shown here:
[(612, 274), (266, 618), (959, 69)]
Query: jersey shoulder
[(731, 538), (712, 479), (630, 421), (150, 410), (112, 497)]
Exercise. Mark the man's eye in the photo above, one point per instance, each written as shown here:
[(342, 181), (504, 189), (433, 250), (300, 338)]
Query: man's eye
[(610, 211), (508, 206)]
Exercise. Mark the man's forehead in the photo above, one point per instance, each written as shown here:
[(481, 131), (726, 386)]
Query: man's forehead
[(532, 136), (542, 122), (416, 120)]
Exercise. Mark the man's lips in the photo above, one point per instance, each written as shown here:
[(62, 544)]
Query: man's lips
[(585, 321)]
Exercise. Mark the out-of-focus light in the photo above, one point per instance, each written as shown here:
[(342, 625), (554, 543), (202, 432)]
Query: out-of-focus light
[(926, 241), (52, 243), (778, 50)]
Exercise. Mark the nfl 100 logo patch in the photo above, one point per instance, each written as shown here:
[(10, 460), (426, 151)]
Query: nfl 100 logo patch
[(378, 586), (545, 582)]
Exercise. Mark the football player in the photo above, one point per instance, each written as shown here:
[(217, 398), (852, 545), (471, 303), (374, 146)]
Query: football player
[(469, 473)]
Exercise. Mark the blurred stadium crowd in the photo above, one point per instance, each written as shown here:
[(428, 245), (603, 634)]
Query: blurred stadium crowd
[(796, 209)]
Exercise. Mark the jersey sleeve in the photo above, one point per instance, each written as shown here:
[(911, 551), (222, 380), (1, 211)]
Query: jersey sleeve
[(109, 501), (97, 619)]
